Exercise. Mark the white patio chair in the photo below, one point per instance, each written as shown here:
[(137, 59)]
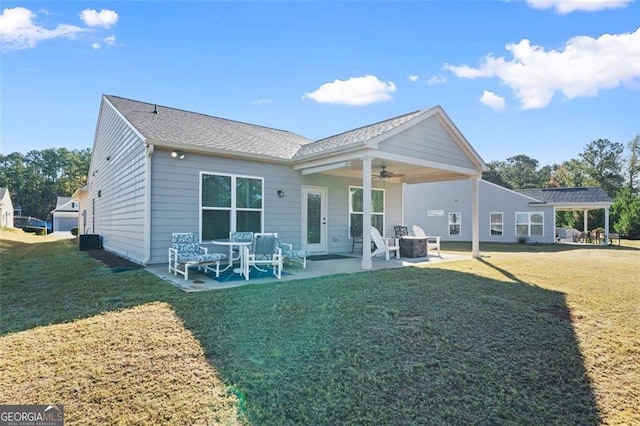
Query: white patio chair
[(384, 245), (291, 255), (185, 252), (241, 236), (263, 252), (433, 243)]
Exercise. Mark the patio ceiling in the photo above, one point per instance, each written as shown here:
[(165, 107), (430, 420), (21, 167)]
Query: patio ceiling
[(413, 170), (411, 173)]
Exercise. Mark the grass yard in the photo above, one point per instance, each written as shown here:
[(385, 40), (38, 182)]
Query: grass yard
[(524, 335)]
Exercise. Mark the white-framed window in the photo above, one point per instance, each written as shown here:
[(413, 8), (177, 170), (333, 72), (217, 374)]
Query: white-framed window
[(529, 224), (230, 203), (355, 209), (455, 220), (495, 223)]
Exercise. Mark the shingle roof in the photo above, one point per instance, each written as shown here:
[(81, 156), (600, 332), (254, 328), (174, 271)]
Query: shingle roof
[(64, 204), (577, 195), (357, 136), (176, 126)]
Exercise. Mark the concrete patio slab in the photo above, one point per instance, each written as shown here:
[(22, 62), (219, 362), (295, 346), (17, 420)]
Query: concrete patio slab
[(352, 264)]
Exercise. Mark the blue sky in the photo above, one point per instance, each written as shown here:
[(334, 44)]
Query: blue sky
[(539, 77)]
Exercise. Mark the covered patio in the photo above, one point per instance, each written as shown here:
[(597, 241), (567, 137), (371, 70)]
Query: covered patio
[(423, 146), (584, 199)]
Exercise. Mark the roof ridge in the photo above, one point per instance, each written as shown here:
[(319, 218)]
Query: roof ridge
[(202, 114), (372, 124)]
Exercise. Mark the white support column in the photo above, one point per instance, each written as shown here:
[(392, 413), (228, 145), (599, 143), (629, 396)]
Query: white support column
[(606, 225), (555, 225), (366, 214), (475, 217), (585, 221)]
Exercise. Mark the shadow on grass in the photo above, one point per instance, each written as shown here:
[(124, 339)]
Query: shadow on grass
[(399, 346), (409, 346), (52, 282)]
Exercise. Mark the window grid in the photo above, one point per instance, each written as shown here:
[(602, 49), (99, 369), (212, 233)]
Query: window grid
[(496, 223), (230, 203), (455, 223), (356, 207), (529, 224)]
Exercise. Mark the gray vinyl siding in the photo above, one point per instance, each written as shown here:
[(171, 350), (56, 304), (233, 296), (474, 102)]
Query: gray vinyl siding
[(430, 141), (456, 196), (117, 186), (175, 195)]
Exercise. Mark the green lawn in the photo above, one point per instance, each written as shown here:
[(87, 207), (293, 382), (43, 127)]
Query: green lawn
[(525, 335)]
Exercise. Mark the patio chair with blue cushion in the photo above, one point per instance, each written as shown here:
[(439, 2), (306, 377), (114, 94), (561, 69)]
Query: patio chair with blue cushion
[(291, 255), (185, 252), (241, 236), (263, 252)]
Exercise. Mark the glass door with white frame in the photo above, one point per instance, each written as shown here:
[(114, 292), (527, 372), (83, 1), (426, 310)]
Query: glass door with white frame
[(314, 219)]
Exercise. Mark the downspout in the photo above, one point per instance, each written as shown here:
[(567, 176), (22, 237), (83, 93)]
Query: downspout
[(147, 203)]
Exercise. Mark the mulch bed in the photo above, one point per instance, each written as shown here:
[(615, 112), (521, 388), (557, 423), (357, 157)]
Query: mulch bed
[(112, 260)]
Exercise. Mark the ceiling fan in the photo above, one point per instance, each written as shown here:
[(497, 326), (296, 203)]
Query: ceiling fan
[(384, 174)]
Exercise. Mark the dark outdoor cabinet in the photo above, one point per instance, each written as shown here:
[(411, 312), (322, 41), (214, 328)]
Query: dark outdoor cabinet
[(89, 242), (413, 247)]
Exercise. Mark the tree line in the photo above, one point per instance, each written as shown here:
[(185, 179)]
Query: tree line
[(37, 178)]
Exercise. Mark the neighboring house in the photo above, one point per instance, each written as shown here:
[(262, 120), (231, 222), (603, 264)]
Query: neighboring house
[(578, 198), (6, 209), (444, 209), (65, 215), (157, 170)]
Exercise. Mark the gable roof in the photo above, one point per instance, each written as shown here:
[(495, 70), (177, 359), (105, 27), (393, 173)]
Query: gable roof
[(357, 136), (64, 204), (175, 127), (577, 195)]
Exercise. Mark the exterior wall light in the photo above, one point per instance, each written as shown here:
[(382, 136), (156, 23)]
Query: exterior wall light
[(177, 154), (280, 193)]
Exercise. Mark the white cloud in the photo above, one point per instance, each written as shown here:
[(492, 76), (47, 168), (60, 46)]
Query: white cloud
[(567, 6), (95, 46), (413, 78), (355, 91), (437, 79), (585, 66), (104, 18), (110, 40), (492, 100), (18, 31)]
